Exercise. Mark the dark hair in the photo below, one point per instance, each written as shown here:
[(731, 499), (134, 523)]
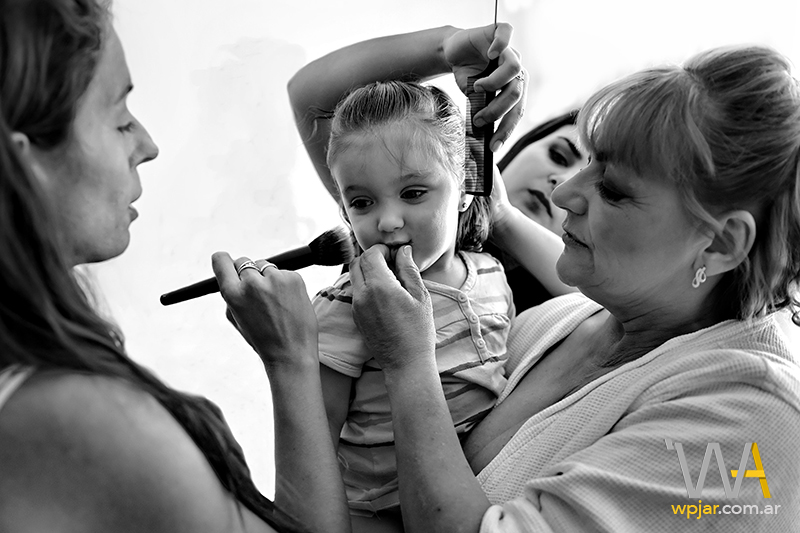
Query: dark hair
[(440, 133), (537, 133), (725, 128), (48, 53)]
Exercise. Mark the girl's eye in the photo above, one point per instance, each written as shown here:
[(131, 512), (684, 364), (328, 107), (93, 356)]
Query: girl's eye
[(413, 194), (558, 158), (359, 203), (127, 128), (608, 194)]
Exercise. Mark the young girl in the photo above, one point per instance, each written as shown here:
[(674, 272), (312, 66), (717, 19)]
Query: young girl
[(397, 157)]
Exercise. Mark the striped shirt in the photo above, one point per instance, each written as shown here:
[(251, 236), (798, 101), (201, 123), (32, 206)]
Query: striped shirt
[(472, 325)]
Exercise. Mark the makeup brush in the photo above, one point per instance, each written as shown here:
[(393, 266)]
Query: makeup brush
[(334, 247)]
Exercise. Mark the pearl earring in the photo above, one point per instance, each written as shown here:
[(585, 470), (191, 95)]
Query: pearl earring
[(699, 277)]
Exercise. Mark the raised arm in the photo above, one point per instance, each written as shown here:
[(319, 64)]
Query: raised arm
[(533, 246), (418, 56), (273, 313)]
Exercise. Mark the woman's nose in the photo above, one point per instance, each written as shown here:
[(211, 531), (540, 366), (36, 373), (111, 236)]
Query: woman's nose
[(568, 193), (557, 178), (147, 149)]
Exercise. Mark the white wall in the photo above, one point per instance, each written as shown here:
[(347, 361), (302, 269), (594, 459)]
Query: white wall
[(210, 80)]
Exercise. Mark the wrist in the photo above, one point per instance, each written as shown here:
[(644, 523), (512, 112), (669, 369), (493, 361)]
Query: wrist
[(292, 366), (506, 217), (444, 33)]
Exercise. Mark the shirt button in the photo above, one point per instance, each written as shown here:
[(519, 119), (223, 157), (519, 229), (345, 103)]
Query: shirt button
[(462, 297), (481, 343), (473, 318)]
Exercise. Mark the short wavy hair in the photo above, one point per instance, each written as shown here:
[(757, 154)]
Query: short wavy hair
[(725, 129)]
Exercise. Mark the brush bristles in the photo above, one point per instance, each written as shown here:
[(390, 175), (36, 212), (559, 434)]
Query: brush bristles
[(334, 247)]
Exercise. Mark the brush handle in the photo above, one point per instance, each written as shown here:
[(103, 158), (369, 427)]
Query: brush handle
[(291, 260)]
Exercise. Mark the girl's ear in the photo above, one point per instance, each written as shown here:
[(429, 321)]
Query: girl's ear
[(732, 245), (465, 201)]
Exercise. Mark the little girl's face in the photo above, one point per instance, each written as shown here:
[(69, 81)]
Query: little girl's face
[(394, 193)]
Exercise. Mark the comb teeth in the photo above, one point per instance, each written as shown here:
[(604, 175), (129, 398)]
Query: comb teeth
[(479, 139)]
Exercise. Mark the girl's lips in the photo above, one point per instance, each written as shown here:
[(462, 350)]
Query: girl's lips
[(539, 195)]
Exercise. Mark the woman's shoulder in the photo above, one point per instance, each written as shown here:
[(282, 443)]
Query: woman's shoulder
[(105, 454), (561, 313)]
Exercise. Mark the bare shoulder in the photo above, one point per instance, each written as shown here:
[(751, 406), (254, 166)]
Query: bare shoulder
[(90, 453)]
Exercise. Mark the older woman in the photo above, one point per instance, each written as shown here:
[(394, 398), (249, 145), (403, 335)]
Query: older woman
[(89, 440), (682, 238)]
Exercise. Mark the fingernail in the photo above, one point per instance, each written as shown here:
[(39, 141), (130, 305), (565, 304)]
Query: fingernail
[(407, 250), (479, 122), (497, 145)]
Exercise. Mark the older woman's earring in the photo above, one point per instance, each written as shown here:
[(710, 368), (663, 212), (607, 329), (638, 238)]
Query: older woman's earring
[(462, 206), (699, 277)]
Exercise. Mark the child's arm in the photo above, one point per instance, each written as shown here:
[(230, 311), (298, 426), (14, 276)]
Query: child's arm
[(532, 245), (315, 90), (336, 395)]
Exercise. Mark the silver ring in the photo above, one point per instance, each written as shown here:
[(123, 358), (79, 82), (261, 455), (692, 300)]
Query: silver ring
[(266, 266), (520, 76), (245, 265)]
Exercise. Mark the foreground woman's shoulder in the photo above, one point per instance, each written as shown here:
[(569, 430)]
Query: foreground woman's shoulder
[(89, 453)]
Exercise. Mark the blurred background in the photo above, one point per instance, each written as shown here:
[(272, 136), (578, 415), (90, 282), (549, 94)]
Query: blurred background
[(210, 81)]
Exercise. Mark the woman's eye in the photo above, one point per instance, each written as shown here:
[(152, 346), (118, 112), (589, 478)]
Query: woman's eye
[(413, 194), (127, 128), (558, 158), (608, 194)]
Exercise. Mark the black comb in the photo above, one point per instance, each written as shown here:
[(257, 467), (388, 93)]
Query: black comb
[(479, 140)]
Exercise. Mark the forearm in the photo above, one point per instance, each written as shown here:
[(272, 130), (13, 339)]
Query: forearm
[(438, 490), (309, 484), (315, 89), (535, 248), (323, 82)]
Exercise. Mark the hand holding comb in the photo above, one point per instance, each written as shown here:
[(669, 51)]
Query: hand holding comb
[(479, 138), (333, 247)]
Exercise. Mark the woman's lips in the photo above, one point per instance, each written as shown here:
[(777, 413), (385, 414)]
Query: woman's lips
[(539, 195), (569, 238)]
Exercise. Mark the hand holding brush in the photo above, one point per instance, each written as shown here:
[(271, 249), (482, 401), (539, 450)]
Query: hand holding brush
[(333, 247)]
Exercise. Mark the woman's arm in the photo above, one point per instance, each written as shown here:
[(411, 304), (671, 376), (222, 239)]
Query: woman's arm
[(534, 247), (315, 90), (273, 313), (95, 454), (438, 490)]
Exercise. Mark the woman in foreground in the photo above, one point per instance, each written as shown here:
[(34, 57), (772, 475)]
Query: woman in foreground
[(89, 440)]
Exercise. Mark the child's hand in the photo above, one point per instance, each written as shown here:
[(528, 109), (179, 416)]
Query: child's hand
[(468, 53)]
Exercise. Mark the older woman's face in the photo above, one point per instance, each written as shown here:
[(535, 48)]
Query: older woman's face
[(93, 178), (533, 174), (628, 240)]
